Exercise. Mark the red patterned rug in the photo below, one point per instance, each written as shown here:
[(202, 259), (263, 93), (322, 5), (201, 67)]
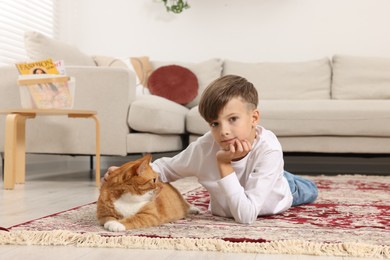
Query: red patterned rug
[(351, 217)]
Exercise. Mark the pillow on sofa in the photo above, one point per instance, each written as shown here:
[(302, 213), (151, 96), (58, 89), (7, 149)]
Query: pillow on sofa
[(107, 61), (40, 47), (175, 83), (143, 68), (206, 72), (360, 77), (285, 80)]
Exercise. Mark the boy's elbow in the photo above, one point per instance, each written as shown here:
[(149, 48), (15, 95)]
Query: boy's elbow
[(246, 215), (246, 220)]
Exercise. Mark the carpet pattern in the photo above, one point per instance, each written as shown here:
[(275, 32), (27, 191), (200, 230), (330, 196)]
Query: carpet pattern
[(351, 217)]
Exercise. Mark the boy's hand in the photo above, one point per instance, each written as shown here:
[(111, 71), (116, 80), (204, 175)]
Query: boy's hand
[(235, 151), (109, 171)]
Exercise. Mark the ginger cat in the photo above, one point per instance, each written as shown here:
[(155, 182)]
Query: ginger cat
[(132, 197)]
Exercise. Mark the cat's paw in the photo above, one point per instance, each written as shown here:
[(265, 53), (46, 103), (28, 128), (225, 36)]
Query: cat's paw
[(193, 210), (114, 226)]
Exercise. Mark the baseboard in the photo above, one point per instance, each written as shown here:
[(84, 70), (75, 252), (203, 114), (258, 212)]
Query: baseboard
[(337, 164), (309, 164)]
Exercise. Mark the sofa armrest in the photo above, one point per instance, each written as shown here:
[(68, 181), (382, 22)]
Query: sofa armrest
[(107, 90)]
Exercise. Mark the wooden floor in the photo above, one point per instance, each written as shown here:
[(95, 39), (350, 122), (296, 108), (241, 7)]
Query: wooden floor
[(63, 183)]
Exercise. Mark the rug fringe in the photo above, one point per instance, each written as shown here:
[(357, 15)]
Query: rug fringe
[(65, 238)]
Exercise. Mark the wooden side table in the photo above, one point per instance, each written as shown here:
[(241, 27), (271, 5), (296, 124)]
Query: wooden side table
[(15, 140)]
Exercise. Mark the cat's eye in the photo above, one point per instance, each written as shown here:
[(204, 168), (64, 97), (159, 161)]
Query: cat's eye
[(154, 180)]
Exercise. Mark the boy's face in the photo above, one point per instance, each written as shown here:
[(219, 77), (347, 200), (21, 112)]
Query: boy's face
[(235, 121)]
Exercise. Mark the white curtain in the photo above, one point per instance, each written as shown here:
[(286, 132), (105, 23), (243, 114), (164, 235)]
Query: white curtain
[(18, 16)]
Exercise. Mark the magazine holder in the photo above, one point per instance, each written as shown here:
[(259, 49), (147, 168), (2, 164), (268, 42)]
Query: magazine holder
[(46, 91)]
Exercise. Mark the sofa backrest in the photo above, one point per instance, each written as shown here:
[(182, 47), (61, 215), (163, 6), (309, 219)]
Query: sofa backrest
[(287, 80), (39, 47), (353, 77), (360, 77)]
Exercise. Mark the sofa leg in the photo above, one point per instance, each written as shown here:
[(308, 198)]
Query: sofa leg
[(2, 165), (91, 167), (185, 140)]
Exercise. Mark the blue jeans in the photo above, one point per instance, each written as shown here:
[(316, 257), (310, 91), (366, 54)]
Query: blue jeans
[(303, 190)]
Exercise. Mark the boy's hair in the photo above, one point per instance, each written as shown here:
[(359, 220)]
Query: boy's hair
[(221, 91)]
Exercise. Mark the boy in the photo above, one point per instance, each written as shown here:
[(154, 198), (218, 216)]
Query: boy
[(239, 162)]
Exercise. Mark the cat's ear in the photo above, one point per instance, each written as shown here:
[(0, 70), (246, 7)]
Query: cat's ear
[(145, 161), (141, 168), (123, 173), (115, 176), (147, 157)]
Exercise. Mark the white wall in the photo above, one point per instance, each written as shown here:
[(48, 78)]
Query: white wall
[(246, 30)]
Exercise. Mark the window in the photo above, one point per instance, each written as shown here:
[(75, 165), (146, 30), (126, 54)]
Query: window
[(18, 16)]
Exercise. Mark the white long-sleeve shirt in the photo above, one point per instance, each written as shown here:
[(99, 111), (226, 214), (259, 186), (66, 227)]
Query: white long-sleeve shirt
[(257, 186)]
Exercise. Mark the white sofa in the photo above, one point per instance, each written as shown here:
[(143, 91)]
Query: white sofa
[(129, 124), (322, 106), (338, 106), (341, 106), (327, 106)]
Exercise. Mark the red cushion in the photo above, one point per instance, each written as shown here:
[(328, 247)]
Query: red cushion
[(175, 83)]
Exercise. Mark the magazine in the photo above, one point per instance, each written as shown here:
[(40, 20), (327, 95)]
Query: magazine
[(60, 65), (37, 67), (46, 84)]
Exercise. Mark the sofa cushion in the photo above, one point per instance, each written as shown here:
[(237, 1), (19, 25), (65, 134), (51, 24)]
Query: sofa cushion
[(297, 118), (154, 114), (287, 80), (153, 143), (40, 47), (195, 124), (175, 83), (205, 71), (360, 77), (326, 117)]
